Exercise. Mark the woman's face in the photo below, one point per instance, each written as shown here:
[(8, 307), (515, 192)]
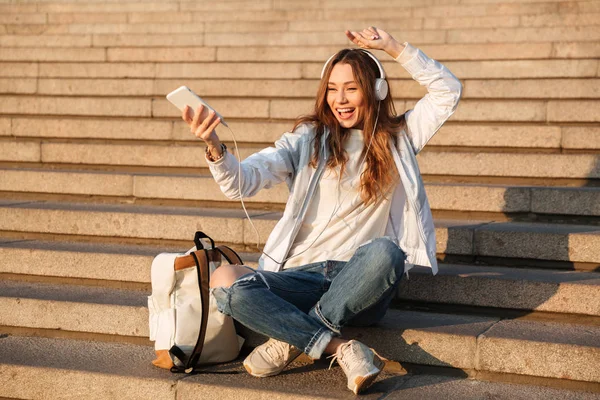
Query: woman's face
[(345, 98)]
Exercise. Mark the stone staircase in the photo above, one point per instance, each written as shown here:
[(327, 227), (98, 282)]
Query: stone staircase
[(98, 174)]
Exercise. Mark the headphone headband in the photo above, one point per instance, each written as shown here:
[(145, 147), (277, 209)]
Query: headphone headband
[(381, 86), (381, 72)]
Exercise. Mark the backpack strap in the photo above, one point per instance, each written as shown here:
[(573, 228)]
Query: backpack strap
[(188, 261), (230, 255), (201, 235), (201, 260)]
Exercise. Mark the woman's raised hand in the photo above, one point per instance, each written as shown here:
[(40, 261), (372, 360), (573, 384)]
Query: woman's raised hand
[(377, 39), (203, 127)]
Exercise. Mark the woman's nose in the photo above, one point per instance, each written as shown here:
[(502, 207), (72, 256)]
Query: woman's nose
[(341, 96)]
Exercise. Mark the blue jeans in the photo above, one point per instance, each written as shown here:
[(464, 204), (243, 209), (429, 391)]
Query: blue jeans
[(306, 306)]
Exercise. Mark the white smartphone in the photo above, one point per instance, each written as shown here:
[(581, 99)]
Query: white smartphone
[(184, 96)]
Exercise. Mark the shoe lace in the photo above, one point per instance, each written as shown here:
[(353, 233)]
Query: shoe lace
[(276, 350), (344, 359), (334, 358)]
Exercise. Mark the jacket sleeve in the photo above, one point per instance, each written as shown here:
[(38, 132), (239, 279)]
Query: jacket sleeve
[(444, 92), (264, 169)]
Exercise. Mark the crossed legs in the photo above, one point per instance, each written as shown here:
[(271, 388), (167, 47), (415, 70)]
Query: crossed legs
[(307, 306)]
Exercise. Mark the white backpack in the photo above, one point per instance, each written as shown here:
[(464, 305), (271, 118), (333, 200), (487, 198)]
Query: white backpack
[(185, 324)]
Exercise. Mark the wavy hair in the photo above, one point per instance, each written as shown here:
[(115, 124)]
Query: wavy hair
[(377, 178)]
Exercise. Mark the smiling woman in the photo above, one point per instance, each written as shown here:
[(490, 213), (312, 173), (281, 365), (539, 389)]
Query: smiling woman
[(345, 98), (353, 93), (357, 217)]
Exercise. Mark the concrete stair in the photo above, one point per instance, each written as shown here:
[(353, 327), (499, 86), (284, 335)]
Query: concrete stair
[(136, 187), (530, 165), (522, 88), (533, 289), (98, 174), (558, 138), (554, 242), (444, 339), (77, 367)]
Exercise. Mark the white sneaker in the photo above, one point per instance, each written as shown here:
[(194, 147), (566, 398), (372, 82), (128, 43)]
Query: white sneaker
[(360, 364), (270, 358)]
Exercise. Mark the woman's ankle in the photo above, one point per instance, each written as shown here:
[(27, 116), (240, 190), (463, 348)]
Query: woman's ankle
[(334, 344)]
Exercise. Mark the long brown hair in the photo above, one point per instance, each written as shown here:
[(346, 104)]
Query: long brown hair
[(378, 176)]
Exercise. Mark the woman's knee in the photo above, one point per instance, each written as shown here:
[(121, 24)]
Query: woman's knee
[(373, 314), (385, 253), (226, 275)]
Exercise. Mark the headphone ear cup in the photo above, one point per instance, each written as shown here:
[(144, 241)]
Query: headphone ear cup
[(381, 89)]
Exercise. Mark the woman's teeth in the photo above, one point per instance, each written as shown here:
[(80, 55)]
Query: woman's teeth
[(345, 112)]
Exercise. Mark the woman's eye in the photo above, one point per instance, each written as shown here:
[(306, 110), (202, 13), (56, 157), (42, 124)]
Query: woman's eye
[(332, 89), (351, 89)]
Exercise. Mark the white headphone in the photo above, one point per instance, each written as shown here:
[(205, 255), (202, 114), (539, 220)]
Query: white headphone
[(381, 85)]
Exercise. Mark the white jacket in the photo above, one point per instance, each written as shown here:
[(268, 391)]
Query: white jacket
[(289, 161)]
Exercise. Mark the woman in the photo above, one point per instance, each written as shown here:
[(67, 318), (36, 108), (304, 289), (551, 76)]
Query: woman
[(357, 210)]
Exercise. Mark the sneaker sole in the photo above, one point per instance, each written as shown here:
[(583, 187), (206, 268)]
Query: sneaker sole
[(266, 375), (361, 383)]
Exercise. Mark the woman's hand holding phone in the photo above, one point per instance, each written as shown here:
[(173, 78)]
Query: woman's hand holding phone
[(202, 124)]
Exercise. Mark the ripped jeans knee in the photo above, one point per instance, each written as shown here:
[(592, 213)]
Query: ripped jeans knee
[(223, 295), (276, 304)]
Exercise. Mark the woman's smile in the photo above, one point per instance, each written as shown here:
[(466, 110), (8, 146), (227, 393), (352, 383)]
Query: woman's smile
[(346, 113), (344, 97)]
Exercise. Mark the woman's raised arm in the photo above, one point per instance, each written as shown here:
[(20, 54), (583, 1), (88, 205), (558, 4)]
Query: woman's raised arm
[(377, 39), (444, 89)]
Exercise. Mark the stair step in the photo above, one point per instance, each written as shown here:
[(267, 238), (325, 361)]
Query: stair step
[(508, 136), (61, 41), (568, 292), (520, 35), (54, 54), (315, 10), (18, 8), (445, 53), (111, 262), (38, 367), (572, 243), (128, 129), (466, 23), (146, 6), (451, 134), (489, 89), (210, 39), (491, 51), (174, 28), (533, 348), (506, 164), (76, 106), (65, 368), (449, 163), (94, 261), (123, 107), (458, 341), (529, 89), (462, 69), (551, 111), (74, 308), (143, 222), (307, 74), (442, 196)]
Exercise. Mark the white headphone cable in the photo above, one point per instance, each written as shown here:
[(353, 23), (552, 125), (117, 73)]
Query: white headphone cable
[(332, 214)]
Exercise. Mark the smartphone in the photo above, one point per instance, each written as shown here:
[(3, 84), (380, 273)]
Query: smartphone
[(184, 96)]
